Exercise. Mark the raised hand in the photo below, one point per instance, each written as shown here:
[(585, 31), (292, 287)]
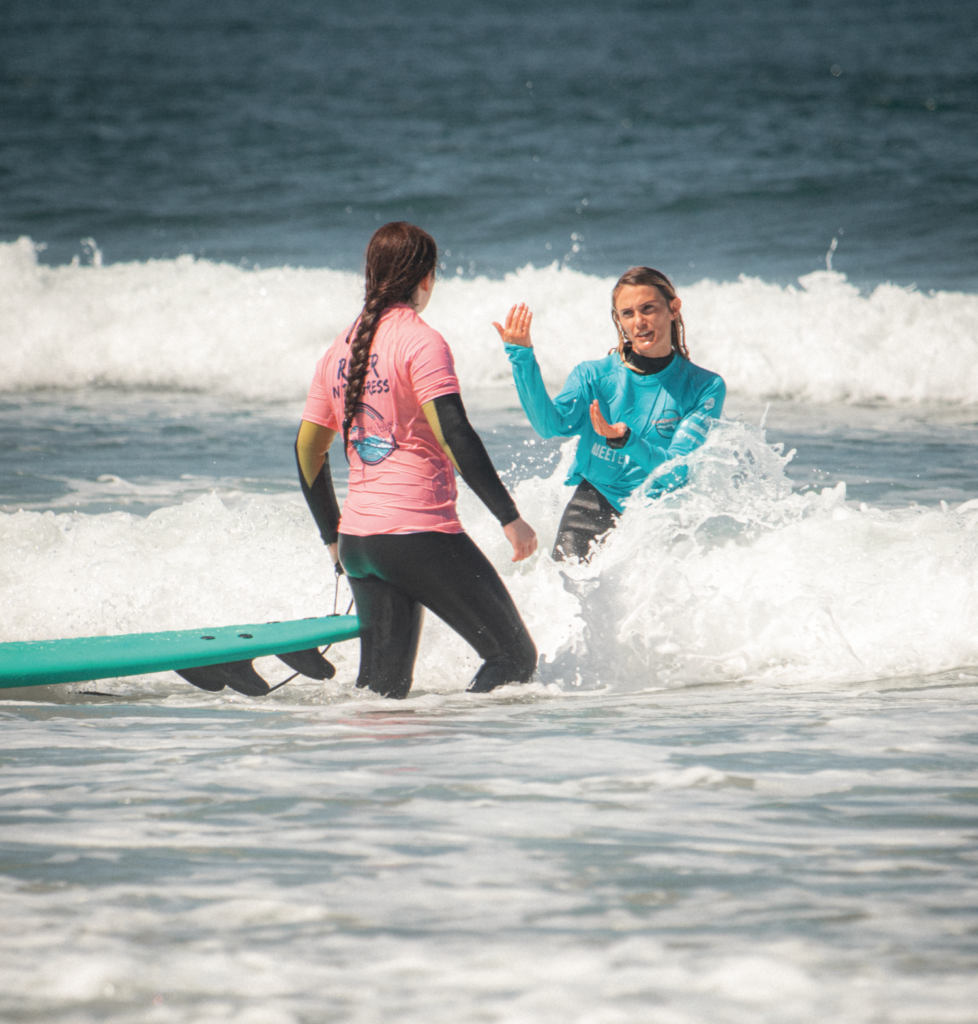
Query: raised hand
[(517, 329), (602, 426)]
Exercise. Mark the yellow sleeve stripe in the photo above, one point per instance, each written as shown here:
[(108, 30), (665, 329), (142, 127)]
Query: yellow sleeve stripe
[(311, 446), (431, 414)]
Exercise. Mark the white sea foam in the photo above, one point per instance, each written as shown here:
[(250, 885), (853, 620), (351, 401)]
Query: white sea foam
[(736, 577), (733, 578), (193, 324), (673, 850)]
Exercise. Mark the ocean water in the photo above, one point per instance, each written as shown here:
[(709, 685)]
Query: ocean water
[(742, 786), (710, 136)]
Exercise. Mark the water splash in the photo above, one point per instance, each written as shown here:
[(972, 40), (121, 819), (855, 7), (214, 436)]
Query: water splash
[(735, 577)]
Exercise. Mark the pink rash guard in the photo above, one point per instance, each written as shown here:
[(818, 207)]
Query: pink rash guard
[(401, 480)]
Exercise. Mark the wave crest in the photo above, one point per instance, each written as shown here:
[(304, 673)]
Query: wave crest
[(189, 324)]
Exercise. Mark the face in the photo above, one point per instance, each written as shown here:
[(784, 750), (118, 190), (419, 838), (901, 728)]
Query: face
[(646, 318)]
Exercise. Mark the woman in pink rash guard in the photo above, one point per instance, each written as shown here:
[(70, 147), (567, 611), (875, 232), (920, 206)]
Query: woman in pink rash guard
[(388, 386)]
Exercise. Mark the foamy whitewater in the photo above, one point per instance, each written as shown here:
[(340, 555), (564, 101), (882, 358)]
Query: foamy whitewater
[(740, 789), (218, 329)]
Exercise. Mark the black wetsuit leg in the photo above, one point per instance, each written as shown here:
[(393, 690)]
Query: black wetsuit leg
[(390, 629), (392, 575), (588, 515)]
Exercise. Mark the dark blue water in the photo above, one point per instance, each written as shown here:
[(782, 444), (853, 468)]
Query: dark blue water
[(711, 138)]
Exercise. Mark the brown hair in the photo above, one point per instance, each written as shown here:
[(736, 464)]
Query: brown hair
[(399, 257), (648, 276)]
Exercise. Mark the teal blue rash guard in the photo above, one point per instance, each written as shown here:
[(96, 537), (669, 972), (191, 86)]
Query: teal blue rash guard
[(668, 414)]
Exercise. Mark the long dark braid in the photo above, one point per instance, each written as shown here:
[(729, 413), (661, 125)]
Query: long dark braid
[(399, 257)]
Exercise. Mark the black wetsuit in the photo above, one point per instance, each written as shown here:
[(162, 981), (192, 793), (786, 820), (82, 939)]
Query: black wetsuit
[(395, 576), (589, 515)]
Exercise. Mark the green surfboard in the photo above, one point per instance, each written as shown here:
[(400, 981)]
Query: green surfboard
[(79, 659)]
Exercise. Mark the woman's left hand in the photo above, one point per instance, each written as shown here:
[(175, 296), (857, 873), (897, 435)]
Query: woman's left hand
[(602, 426), (523, 538)]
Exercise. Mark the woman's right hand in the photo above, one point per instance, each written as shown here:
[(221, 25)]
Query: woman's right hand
[(523, 538), (603, 427), (517, 329)]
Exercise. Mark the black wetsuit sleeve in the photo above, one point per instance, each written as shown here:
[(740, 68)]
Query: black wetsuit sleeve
[(619, 442), (321, 499), (469, 454)]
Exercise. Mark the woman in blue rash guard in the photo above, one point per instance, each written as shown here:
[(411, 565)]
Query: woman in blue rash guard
[(659, 405)]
